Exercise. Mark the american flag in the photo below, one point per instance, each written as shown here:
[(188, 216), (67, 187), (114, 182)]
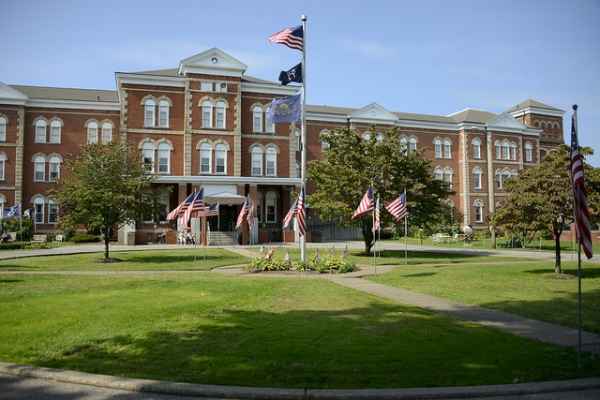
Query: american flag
[(376, 217), (180, 209), (196, 205), (366, 204), (289, 216), (290, 37), (209, 211), (301, 213), (398, 207), (582, 214), (243, 213)]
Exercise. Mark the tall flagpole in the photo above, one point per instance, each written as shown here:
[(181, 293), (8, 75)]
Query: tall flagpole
[(405, 229), (578, 236), (303, 144)]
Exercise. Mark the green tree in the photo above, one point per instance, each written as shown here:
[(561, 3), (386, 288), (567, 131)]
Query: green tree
[(104, 187), (541, 199), (352, 164)]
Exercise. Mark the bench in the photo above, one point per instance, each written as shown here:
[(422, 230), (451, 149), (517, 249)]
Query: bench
[(39, 238)]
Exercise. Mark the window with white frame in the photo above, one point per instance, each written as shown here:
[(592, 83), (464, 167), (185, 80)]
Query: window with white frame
[(3, 159), (207, 109), (476, 143), (269, 125), (366, 136), (52, 212), (324, 143), (256, 153), (271, 161), (148, 156), (163, 113), (206, 86), (38, 209), (437, 144), (478, 208), (107, 129), (403, 144), (221, 158), (54, 168), (149, 113), (513, 150), (257, 119), (164, 158), (447, 148), (379, 137), (477, 178), (271, 207), (220, 114), (39, 168), (205, 158), (498, 147), (40, 131), (528, 152), (505, 150), (3, 124), (438, 173), (412, 144), (448, 175), (92, 132), (55, 131)]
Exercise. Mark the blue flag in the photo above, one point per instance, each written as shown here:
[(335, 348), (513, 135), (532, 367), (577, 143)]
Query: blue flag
[(11, 212), (286, 109)]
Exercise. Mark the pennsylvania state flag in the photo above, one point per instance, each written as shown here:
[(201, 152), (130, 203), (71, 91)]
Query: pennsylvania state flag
[(293, 75), (286, 109)]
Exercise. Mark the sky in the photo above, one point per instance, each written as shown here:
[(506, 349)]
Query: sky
[(433, 57)]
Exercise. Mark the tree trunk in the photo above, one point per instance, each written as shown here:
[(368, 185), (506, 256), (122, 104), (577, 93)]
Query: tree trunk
[(367, 234), (106, 240), (557, 267)]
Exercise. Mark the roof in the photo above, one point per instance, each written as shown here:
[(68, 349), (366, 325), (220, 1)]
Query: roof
[(401, 115), (56, 93), (472, 115), (532, 103), (159, 72)]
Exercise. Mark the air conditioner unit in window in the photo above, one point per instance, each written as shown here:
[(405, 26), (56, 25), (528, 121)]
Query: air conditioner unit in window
[(222, 87)]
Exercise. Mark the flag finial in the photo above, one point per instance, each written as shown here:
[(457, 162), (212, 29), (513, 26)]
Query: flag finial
[(303, 17), (574, 107)]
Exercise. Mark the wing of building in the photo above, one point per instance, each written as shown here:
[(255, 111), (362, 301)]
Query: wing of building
[(203, 123)]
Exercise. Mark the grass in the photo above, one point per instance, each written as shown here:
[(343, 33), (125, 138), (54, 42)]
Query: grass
[(198, 259), (530, 289), (394, 257), (207, 328)]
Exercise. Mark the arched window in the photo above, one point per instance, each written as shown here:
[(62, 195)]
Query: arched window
[(379, 137), (206, 158), (39, 168), (40, 131), (54, 162), (164, 157), (447, 148), (220, 114), (478, 208), (498, 147), (92, 132), (52, 212), (163, 113), (403, 144), (271, 161), (221, 158), (55, 130), (437, 144), (513, 150), (148, 155), (38, 209), (324, 143), (477, 181), (107, 129), (3, 159), (438, 173), (505, 150), (448, 175), (476, 143), (2, 205), (366, 136), (269, 125), (207, 111), (149, 113), (256, 153), (257, 119), (271, 207), (3, 124), (528, 152), (412, 144)]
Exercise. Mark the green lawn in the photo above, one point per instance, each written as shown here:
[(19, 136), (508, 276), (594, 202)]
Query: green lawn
[(530, 289), (197, 259), (393, 257), (253, 331)]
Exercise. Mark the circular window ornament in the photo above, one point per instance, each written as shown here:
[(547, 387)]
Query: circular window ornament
[(214, 60)]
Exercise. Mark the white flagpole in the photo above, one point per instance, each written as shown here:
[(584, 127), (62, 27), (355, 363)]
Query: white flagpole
[(374, 237), (302, 238), (405, 229)]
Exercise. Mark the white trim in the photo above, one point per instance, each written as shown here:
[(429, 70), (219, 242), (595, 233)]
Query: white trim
[(227, 179), (539, 111), (73, 104), (153, 80), (269, 88)]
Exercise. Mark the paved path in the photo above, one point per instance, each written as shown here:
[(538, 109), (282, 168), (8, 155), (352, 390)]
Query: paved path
[(530, 328)]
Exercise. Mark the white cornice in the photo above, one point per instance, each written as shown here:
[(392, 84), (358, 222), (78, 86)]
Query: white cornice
[(537, 110), (226, 179), (73, 104), (140, 79), (269, 89)]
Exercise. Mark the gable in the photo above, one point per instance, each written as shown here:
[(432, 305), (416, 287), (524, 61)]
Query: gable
[(9, 95), (213, 61), (374, 112)]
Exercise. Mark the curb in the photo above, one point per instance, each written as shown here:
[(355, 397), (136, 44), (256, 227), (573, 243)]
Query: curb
[(245, 392)]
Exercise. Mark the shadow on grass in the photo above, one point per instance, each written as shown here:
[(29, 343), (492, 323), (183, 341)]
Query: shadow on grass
[(167, 259), (421, 256), (419, 274), (10, 280), (380, 345), (588, 273)]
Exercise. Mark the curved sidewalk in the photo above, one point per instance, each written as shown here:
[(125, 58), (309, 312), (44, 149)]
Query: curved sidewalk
[(244, 392)]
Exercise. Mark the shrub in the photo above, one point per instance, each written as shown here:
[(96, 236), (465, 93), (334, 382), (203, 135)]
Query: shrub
[(327, 264), (85, 238), (263, 265), (12, 246)]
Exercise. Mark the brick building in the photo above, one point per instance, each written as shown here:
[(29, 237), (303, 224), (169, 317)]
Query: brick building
[(204, 124)]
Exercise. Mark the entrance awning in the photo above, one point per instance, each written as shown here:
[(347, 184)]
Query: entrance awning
[(224, 198)]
